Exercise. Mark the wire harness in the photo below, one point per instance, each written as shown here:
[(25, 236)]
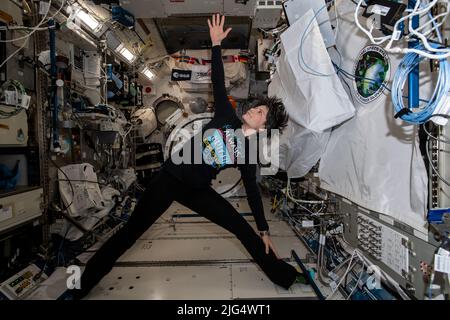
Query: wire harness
[(423, 113), (422, 33)]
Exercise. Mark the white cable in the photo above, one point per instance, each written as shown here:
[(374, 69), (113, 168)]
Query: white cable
[(433, 21), (27, 37), (444, 139), (357, 281), (413, 13), (417, 11), (379, 40), (320, 261), (290, 197), (34, 29), (337, 20), (342, 277), (343, 263), (348, 247), (15, 52), (386, 277), (440, 53), (435, 170), (421, 36), (38, 26), (300, 200), (21, 28)]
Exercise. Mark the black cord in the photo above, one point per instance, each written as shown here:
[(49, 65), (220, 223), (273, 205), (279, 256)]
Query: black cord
[(70, 182), (356, 3), (88, 181)]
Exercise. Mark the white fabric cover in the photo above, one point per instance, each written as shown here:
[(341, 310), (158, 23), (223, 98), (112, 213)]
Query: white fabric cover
[(320, 101), (374, 159), (300, 148)]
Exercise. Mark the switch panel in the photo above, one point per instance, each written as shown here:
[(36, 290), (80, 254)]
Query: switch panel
[(383, 244), (22, 283)]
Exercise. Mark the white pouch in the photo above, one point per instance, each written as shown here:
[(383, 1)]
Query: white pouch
[(86, 196), (300, 148), (309, 78)]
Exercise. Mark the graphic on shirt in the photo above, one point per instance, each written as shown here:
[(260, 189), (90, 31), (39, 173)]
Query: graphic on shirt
[(221, 148)]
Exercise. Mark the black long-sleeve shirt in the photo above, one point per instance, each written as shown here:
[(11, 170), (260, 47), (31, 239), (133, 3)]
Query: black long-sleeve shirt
[(218, 147)]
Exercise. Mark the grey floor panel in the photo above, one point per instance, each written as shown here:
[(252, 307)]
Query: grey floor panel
[(249, 282), (192, 230), (241, 205), (230, 281), (214, 249), (159, 283)]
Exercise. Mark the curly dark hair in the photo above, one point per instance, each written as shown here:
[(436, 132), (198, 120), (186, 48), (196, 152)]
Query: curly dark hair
[(277, 117)]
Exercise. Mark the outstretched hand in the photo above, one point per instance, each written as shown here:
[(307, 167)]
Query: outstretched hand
[(216, 29)]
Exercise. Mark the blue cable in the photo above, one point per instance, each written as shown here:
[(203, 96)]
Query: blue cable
[(438, 32), (60, 254), (350, 76), (354, 77), (300, 50), (409, 62)]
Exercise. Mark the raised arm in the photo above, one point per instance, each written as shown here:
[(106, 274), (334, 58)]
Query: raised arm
[(217, 73)]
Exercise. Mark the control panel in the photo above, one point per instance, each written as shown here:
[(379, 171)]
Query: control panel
[(22, 283), (383, 244)]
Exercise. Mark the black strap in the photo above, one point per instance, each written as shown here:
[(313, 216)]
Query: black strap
[(402, 112)]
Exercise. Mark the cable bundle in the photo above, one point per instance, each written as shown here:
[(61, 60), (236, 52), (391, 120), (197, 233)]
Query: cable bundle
[(422, 33), (409, 62), (20, 94), (27, 37)]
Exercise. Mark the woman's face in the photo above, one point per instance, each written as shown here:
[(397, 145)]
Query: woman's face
[(255, 117)]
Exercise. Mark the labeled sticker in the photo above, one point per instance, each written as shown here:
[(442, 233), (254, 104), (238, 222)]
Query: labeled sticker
[(322, 239), (307, 223), (25, 103), (378, 9), (11, 97), (181, 75), (442, 263), (44, 7), (443, 252), (6, 213)]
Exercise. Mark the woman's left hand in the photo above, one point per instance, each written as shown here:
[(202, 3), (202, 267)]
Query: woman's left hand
[(269, 245), (216, 29)]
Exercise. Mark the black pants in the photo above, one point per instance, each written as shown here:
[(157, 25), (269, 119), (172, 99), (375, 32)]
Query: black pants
[(159, 195)]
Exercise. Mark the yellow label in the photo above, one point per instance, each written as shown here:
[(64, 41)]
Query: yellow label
[(5, 17)]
